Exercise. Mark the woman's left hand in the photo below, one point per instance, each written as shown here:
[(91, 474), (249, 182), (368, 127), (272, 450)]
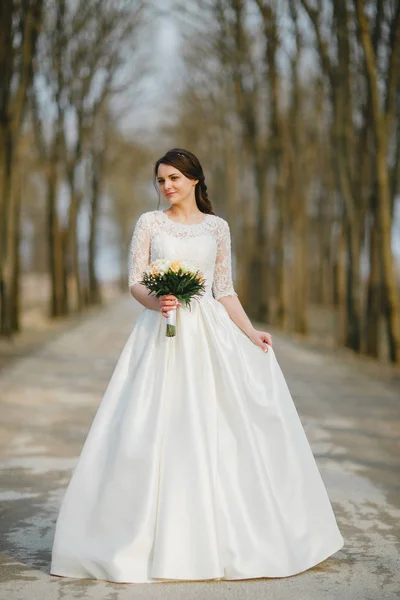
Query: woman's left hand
[(262, 339)]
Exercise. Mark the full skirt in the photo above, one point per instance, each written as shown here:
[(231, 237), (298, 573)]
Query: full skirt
[(196, 465)]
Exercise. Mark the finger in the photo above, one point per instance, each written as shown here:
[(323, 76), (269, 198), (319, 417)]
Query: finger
[(173, 303), (262, 345), (168, 307), (170, 301), (267, 338)]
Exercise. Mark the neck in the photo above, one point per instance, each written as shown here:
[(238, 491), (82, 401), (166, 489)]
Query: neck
[(185, 211)]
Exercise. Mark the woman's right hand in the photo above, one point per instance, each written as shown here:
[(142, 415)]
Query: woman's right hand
[(168, 303)]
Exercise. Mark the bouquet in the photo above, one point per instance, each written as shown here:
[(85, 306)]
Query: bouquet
[(177, 277)]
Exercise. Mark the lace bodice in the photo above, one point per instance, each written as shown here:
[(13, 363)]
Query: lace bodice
[(206, 244)]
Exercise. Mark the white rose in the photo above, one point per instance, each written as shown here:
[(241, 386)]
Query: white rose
[(188, 266), (163, 265)]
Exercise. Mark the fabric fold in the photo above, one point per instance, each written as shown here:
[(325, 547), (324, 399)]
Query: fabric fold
[(196, 465)]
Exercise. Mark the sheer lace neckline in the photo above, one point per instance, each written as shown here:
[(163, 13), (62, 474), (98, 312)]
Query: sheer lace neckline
[(184, 224)]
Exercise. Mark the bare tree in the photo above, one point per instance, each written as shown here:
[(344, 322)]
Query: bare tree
[(19, 29), (83, 50), (383, 114)]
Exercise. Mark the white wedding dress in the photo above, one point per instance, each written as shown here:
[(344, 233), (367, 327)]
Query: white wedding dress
[(196, 465)]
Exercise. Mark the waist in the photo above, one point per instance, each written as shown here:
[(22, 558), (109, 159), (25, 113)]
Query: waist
[(207, 295)]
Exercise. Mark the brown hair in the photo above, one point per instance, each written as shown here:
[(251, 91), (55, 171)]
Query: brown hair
[(188, 164)]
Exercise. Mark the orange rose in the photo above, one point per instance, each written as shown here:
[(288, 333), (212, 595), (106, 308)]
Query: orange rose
[(175, 266)]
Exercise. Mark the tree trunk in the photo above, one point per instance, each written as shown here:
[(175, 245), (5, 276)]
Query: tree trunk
[(15, 299), (58, 303), (342, 288), (19, 27), (383, 185), (300, 250), (94, 295), (374, 300), (246, 102), (297, 171), (73, 249), (277, 158), (6, 161), (353, 330)]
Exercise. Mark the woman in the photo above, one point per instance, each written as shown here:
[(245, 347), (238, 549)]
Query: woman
[(196, 465)]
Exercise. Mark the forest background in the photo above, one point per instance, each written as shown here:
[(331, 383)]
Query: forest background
[(292, 106)]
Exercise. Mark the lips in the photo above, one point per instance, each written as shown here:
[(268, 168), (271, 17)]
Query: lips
[(170, 193)]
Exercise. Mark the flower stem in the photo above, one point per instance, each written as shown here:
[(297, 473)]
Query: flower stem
[(170, 330)]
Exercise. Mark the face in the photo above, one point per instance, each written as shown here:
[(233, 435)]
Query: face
[(174, 185)]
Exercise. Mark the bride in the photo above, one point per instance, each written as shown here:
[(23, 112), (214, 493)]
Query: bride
[(196, 465)]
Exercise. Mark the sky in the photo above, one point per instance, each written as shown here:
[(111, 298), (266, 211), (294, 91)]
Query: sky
[(155, 96)]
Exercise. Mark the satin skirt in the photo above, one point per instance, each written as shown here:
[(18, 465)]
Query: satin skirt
[(196, 465)]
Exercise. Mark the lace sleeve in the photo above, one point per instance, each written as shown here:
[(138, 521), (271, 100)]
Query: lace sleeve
[(139, 255), (222, 284)]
